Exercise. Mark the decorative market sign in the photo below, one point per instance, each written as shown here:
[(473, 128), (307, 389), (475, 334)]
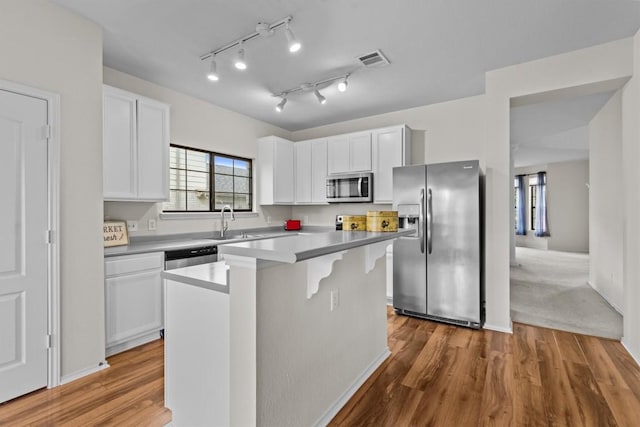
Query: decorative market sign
[(115, 233)]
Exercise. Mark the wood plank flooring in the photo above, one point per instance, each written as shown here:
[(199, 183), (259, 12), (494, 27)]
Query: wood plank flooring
[(129, 393), (438, 375)]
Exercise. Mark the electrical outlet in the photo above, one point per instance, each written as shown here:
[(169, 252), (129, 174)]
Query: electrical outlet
[(268, 219), (132, 225), (152, 224), (335, 299), (305, 219)]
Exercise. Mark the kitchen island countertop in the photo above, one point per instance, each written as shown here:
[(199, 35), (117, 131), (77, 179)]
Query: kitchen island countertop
[(291, 249)]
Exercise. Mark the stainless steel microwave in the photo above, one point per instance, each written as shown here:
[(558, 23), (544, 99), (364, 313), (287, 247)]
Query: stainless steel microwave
[(352, 187)]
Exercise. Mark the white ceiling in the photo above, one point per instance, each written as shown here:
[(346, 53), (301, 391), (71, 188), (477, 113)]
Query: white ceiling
[(439, 50), (554, 131)]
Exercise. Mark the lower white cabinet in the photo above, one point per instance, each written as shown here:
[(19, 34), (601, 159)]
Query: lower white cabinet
[(133, 299)]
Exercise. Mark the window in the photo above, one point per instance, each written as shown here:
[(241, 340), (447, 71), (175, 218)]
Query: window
[(520, 205), (535, 202), (203, 181), (533, 195), (516, 195)]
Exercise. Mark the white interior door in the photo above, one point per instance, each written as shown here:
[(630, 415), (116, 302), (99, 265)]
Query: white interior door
[(23, 244)]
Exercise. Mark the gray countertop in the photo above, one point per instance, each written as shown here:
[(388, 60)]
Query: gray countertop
[(146, 244), (291, 249), (209, 276)]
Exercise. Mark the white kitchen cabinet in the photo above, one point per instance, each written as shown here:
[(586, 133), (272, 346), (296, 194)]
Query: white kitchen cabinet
[(133, 300), (135, 147), (391, 148), (310, 171), (275, 171), (302, 167), (349, 153)]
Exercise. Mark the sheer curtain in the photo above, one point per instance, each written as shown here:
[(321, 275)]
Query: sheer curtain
[(521, 206), (542, 228)]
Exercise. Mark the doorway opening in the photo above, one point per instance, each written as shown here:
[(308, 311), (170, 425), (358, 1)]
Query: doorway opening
[(562, 169)]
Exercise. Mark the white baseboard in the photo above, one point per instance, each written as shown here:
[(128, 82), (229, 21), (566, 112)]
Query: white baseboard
[(635, 357), (127, 345), (595, 288), (83, 373), (350, 391), (491, 327)]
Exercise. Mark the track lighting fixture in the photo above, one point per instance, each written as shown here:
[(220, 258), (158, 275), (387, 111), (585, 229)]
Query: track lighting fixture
[(294, 45), (281, 104), (239, 62), (321, 99), (262, 30), (315, 88), (342, 86), (213, 72)]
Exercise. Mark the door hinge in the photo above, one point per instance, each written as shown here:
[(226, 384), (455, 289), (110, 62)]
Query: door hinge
[(46, 131), (50, 237)]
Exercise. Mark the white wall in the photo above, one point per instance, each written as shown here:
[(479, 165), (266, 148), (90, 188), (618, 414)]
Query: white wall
[(199, 124), (568, 206), (607, 199), (631, 206), (47, 47)]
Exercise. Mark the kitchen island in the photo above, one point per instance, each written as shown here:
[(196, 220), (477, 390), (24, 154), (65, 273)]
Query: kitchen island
[(282, 332)]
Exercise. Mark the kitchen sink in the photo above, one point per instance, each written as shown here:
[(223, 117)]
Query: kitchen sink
[(241, 236)]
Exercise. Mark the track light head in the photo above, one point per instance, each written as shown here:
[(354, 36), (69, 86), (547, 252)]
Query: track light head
[(342, 86), (240, 62), (294, 45), (321, 99), (281, 104), (213, 72)]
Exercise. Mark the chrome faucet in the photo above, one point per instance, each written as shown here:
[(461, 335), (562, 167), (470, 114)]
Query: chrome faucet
[(224, 225)]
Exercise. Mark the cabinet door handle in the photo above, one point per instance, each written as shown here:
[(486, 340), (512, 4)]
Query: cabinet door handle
[(421, 221), (430, 221)]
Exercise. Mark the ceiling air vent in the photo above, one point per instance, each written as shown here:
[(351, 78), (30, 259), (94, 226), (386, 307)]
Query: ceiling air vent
[(374, 59)]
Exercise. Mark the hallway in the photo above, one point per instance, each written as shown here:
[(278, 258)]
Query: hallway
[(550, 289)]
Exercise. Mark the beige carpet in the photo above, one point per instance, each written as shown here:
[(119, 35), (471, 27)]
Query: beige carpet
[(550, 289)]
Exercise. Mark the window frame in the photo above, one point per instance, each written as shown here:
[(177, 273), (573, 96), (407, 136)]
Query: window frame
[(212, 176)]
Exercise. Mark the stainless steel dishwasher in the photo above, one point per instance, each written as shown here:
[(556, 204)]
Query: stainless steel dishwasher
[(192, 256)]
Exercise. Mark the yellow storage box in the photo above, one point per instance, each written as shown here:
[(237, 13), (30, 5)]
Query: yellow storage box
[(354, 223), (382, 221)]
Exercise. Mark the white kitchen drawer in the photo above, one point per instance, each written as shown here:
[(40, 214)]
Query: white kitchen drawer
[(133, 263)]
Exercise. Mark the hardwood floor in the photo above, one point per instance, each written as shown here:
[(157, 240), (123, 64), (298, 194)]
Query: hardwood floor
[(129, 393), (438, 375)]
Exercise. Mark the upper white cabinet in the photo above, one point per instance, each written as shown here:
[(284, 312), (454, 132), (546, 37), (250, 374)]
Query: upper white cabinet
[(391, 148), (349, 153), (135, 147), (310, 168), (275, 171)]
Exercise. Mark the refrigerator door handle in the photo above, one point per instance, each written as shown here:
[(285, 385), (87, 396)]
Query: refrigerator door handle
[(430, 222), (421, 221)]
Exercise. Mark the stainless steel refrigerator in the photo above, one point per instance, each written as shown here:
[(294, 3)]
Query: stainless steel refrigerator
[(437, 271)]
